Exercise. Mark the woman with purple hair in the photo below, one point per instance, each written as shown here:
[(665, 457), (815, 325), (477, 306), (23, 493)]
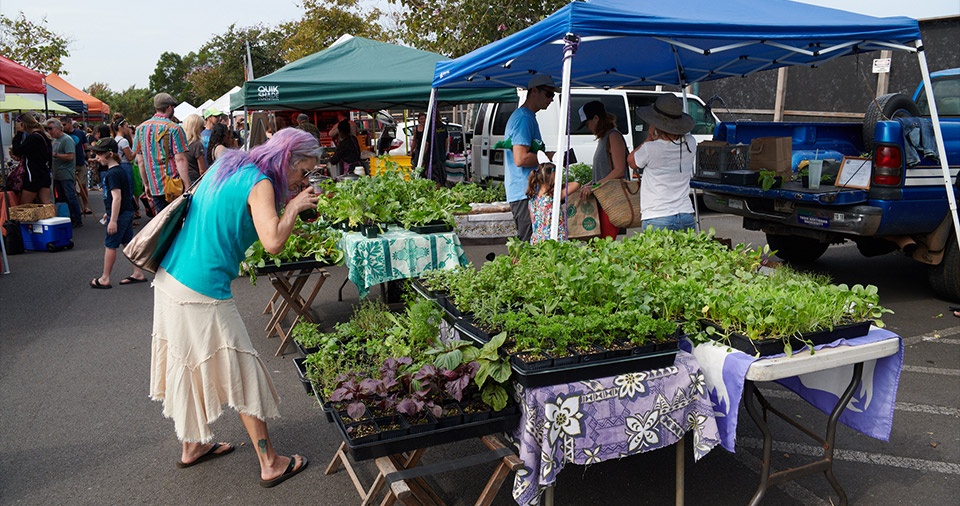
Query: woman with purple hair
[(202, 356)]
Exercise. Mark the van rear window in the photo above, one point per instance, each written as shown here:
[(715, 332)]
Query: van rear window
[(504, 111), (612, 103)]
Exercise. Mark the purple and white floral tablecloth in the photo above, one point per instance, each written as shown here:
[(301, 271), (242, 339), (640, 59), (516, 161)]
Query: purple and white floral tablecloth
[(609, 418)]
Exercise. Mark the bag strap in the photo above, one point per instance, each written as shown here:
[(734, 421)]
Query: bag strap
[(607, 147), (194, 184)]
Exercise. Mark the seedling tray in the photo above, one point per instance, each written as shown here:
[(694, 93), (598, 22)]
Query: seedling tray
[(430, 228), (303, 350), (423, 291), (556, 375), (311, 388), (302, 373), (448, 307), (465, 326), (503, 422), (767, 347)]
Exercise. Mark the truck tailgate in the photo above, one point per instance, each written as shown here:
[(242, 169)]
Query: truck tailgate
[(825, 195)]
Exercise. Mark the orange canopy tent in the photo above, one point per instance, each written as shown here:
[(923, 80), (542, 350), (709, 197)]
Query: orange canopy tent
[(95, 107)]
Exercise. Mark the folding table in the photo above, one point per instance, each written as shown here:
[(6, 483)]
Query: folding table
[(771, 369), (288, 280)]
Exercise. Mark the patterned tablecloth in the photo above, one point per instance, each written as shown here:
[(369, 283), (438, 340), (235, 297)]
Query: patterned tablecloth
[(398, 254), (608, 418), (870, 410)]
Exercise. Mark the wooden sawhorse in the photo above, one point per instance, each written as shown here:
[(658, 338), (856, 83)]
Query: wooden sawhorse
[(405, 476), (287, 286)]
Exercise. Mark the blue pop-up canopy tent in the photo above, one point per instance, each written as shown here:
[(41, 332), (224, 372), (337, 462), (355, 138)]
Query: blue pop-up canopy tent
[(609, 43)]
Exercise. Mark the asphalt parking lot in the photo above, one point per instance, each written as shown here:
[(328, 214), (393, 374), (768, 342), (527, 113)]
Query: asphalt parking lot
[(78, 427)]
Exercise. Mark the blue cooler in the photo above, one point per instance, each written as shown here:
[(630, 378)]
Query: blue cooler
[(51, 234)]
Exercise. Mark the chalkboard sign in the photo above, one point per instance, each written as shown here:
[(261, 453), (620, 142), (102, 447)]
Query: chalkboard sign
[(855, 172)]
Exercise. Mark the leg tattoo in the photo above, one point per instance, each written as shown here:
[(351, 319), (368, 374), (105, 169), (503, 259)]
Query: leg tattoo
[(262, 444)]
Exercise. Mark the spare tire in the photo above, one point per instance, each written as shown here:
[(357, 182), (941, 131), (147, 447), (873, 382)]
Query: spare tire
[(892, 106)]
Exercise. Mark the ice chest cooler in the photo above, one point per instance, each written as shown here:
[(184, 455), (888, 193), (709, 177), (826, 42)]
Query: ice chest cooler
[(51, 234)]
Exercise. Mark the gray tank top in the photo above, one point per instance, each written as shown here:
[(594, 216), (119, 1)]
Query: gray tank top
[(601, 163)]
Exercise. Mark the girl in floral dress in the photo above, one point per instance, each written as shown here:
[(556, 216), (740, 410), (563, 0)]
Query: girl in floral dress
[(540, 192)]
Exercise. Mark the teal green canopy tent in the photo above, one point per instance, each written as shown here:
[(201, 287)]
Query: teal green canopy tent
[(359, 74)]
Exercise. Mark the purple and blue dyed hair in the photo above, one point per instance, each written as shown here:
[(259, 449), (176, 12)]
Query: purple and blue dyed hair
[(285, 148)]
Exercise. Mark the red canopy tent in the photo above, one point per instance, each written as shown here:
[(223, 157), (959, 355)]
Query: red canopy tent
[(16, 79), (20, 79)]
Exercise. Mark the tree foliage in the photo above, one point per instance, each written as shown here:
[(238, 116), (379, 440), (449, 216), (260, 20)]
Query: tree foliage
[(136, 104), (324, 22), (170, 76), (456, 27), (32, 44), (219, 64)]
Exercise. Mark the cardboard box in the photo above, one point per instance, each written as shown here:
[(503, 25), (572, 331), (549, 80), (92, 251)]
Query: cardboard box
[(773, 153)]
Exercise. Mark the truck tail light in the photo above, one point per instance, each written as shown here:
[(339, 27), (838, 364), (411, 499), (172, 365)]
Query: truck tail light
[(889, 166)]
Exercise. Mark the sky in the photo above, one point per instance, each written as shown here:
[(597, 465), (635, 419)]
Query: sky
[(115, 42)]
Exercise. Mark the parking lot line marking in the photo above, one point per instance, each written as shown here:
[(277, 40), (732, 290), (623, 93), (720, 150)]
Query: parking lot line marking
[(899, 406), (793, 489), (923, 408), (932, 370), (935, 335), (941, 341), (857, 456)]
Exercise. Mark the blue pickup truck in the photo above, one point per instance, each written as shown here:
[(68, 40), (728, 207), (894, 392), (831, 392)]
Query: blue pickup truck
[(902, 199)]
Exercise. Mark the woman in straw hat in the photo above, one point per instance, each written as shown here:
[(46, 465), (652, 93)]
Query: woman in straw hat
[(666, 159)]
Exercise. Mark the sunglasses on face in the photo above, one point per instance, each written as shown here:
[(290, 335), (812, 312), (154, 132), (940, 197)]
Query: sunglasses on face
[(547, 93)]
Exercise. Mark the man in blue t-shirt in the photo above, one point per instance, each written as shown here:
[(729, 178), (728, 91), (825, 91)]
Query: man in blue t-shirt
[(523, 133), (211, 117), (80, 173)]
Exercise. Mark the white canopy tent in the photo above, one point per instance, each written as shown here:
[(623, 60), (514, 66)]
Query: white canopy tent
[(223, 103), (184, 109)]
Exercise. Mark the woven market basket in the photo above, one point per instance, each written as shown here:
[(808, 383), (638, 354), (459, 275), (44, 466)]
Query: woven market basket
[(621, 201), (32, 212)]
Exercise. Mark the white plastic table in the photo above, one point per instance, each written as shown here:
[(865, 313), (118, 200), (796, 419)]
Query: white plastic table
[(772, 369)]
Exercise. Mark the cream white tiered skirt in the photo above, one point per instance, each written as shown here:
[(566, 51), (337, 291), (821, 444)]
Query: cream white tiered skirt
[(202, 358)]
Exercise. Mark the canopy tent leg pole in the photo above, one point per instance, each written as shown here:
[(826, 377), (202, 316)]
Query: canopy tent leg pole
[(569, 48), (53, 189), (246, 121), (938, 134), (426, 128), (3, 243), (696, 206)]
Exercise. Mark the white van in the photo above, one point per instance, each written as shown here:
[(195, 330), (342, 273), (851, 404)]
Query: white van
[(492, 119), (401, 144)]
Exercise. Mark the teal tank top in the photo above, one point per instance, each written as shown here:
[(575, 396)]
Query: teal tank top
[(206, 255)]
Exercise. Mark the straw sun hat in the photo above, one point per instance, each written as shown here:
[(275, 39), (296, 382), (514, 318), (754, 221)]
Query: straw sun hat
[(666, 115)]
